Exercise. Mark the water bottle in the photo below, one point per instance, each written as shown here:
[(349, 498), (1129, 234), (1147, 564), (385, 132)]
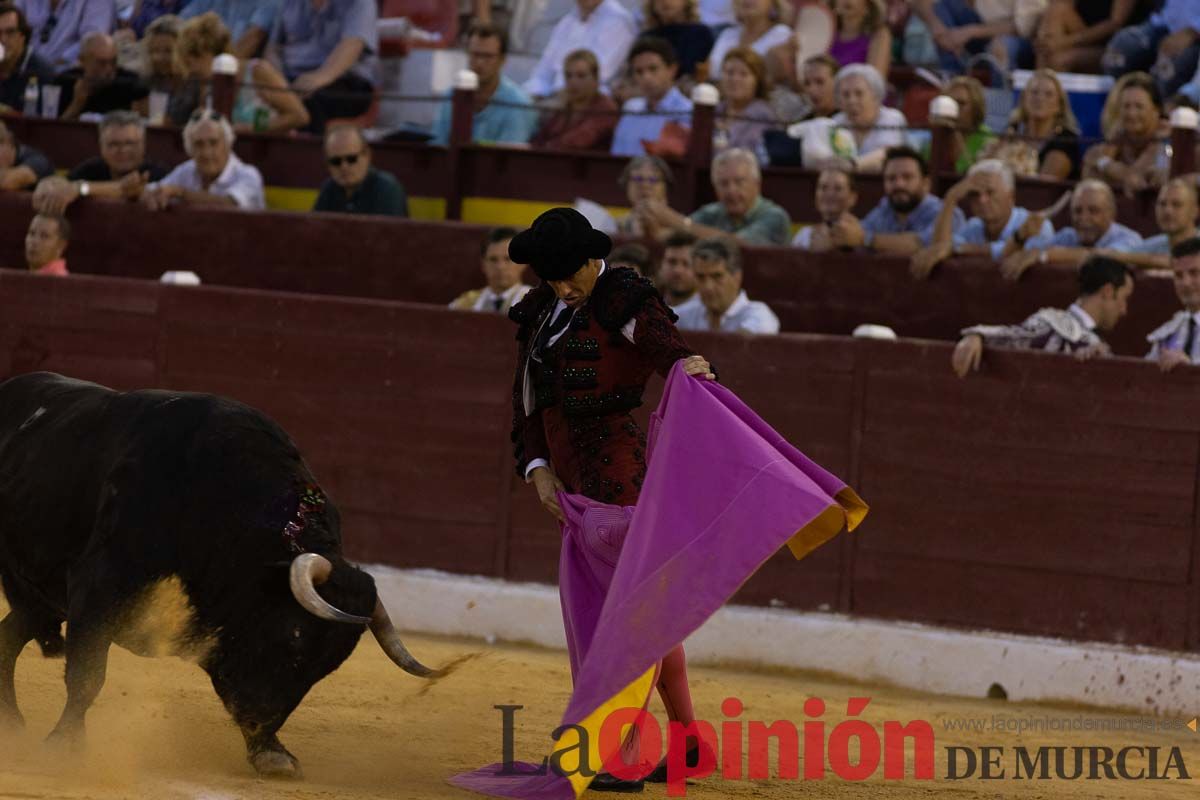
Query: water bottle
[(32, 98)]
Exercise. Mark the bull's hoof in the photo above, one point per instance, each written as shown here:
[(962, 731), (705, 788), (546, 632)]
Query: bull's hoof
[(278, 764), (66, 739), (11, 721)]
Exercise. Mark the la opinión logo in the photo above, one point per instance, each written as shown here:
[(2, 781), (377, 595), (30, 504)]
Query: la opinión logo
[(824, 749)]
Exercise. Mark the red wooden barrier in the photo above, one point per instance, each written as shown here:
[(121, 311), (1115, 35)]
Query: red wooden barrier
[(1040, 496)]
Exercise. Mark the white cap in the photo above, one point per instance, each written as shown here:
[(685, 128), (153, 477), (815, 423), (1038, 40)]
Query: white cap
[(466, 80), (1184, 117), (225, 64), (875, 332), (705, 94), (943, 106), (181, 278)]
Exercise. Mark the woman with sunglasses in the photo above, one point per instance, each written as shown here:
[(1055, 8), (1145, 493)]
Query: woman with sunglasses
[(263, 102)]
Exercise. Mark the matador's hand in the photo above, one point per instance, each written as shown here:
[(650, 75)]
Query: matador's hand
[(548, 486), (698, 365)]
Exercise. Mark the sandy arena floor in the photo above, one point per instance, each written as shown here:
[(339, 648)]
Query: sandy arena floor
[(159, 732)]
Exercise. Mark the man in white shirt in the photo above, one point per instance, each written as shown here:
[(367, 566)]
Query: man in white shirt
[(1176, 341), (601, 26), (1105, 286), (504, 287), (717, 264), (214, 176)]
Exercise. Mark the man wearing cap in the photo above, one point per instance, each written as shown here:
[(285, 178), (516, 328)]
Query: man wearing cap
[(590, 336)]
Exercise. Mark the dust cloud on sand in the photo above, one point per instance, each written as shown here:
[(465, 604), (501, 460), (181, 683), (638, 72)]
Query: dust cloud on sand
[(369, 731)]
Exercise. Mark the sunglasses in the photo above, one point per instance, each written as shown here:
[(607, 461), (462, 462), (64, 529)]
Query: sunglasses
[(48, 28), (337, 161)]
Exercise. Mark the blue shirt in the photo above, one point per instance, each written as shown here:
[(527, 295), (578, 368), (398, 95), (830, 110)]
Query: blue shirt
[(74, 20), (974, 231), (1117, 237), (499, 121), (1177, 15), (636, 125), (1159, 245), (305, 37), (238, 15), (920, 221)]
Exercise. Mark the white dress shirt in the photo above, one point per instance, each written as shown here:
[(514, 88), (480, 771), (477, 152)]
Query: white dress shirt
[(238, 181), (744, 314), (608, 32)]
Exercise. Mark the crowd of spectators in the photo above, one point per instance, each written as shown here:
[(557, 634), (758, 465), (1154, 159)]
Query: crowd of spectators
[(618, 76)]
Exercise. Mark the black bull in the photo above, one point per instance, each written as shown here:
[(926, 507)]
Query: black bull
[(105, 495)]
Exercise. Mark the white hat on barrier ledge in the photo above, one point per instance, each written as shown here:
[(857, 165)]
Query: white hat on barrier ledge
[(181, 278), (875, 332)]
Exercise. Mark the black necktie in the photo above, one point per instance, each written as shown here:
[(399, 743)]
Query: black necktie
[(553, 328), (499, 301), (1191, 336)]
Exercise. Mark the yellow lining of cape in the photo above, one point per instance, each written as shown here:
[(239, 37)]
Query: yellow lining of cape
[(635, 695), (850, 512)]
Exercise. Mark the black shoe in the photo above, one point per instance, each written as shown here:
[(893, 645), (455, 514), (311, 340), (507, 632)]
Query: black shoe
[(607, 782), (659, 774)]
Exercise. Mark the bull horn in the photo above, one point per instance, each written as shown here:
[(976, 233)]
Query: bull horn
[(389, 640), (308, 571)]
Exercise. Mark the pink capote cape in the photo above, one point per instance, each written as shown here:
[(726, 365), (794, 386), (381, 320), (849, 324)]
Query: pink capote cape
[(723, 492)]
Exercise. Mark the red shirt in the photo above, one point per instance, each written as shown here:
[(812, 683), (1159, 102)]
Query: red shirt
[(57, 267)]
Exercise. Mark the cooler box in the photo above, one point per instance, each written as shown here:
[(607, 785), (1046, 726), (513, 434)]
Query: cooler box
[(1087, 94)]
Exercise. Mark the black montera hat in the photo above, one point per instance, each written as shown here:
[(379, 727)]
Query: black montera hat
[(558, 244)]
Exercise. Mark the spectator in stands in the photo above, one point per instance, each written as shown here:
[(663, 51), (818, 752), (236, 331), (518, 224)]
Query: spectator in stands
[(146, 12), (744, 112), (60, 25), (120, 172), (21, 167), (675, 278), (1094, 228), (587, 118), (504, 288), (1175, 342), (162, 72), (874, 126), (19, 62), (45, 243), (1105, 286), (992, 191), (214, 176), (512, 119), (262, 100), (862, 35), (98, 85), (960, 30), (724, 305), (740, 209), (1045, 131), (645, 180), (329, 52), (903, 221), (602, 26), (1132, 157), (759, 27), (1168, 44), (630, 254), (355, 186), (678, 21), (250, 21), (971, 133), (1175, 212), (809, 98), (835, 199), (1071, 34), (643, 118)]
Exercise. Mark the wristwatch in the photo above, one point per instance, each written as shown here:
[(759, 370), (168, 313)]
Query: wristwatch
[(85, 188)]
